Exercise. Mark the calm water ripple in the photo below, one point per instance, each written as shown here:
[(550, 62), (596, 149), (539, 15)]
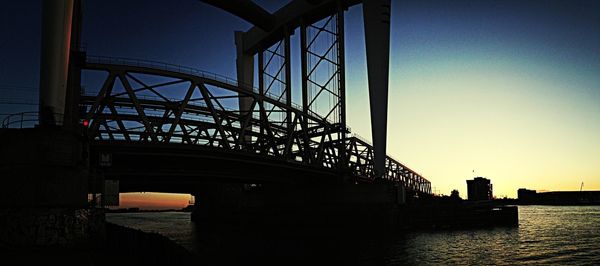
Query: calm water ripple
[(546, 235)]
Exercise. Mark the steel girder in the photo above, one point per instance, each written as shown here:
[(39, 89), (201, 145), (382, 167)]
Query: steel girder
[(130, 104), (323, 67), (360, 158), (140, 101)]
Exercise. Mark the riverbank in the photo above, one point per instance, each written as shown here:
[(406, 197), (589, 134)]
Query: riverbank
[(120, 245)]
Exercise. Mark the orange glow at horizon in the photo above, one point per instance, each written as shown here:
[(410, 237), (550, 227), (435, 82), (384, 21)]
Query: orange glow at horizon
[(153, 200)]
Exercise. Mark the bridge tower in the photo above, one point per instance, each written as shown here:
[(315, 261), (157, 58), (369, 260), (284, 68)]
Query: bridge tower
[(322, 53), (377, 39), (56, 44), (60, 63)]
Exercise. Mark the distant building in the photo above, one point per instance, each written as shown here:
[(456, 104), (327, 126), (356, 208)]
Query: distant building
[(479, 189), (526, 195)]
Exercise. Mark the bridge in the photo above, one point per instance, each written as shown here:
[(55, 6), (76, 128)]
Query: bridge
[(145, 108), (161, 127)]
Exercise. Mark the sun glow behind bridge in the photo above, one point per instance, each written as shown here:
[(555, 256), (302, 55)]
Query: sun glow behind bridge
[(154, 201)]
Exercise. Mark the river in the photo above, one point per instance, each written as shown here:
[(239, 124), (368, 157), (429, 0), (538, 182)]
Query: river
[(545, 235)]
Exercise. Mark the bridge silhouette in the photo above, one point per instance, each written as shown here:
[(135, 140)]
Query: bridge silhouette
[(242, 147), (138, 107), (145, 108), (161, 127)]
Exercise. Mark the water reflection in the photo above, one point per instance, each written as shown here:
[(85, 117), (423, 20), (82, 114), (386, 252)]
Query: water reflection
[(226, 244)]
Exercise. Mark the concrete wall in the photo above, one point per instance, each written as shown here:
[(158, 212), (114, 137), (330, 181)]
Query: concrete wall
[(43, 196), (42, 167)]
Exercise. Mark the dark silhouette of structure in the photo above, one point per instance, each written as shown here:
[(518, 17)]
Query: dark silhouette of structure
[(455, 195), (479, 189), (166, 128), (527, 196)]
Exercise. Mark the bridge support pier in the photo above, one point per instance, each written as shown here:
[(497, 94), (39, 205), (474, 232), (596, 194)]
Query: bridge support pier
[(276, 204), (56, 44), (377, 42), (224, 201), (43, 198)]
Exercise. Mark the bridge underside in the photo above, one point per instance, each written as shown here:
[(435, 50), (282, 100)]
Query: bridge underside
[(180, 168)]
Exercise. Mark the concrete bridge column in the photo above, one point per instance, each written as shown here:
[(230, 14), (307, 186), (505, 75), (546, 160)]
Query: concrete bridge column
[(377, 40), (43, 196), (245, 76), (57, 20), (222, 201), (316, 204)]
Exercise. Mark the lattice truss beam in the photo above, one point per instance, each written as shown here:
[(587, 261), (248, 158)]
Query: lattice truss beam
[(144, 104), (274, 82), (148, 105), (322, 49), (360, 161)]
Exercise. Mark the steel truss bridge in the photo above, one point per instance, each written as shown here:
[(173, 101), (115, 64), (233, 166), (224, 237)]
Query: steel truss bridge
[(150, 113), (149, 102)]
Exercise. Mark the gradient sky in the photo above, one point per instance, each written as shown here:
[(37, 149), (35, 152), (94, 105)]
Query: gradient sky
[(508, 89)]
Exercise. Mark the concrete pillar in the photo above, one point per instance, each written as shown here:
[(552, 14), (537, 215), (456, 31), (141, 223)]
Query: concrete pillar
[(219, 202), (245, 76), (401, 194), (77, 59), (377, 40), (57, 17), (43, 197)]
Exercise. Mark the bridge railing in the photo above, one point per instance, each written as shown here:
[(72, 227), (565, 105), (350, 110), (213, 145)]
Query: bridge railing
[(179, 69), (159, 65), (26, 120), (21, 120), (141, 97)]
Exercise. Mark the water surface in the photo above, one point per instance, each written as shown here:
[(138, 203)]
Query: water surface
[(546, 235)]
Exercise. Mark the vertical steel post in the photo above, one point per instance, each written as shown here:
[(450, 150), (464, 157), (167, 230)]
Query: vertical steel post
[(57, 18), (303, 55), (261, 91), (304, 63), (377, 40), (288, 76), (342, 84), (245, 76)]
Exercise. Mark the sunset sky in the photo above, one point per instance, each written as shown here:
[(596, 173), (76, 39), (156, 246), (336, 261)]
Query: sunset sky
[(507, 89)]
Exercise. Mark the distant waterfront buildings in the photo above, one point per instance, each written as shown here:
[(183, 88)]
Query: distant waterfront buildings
[(479, 189), (527, 196)]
